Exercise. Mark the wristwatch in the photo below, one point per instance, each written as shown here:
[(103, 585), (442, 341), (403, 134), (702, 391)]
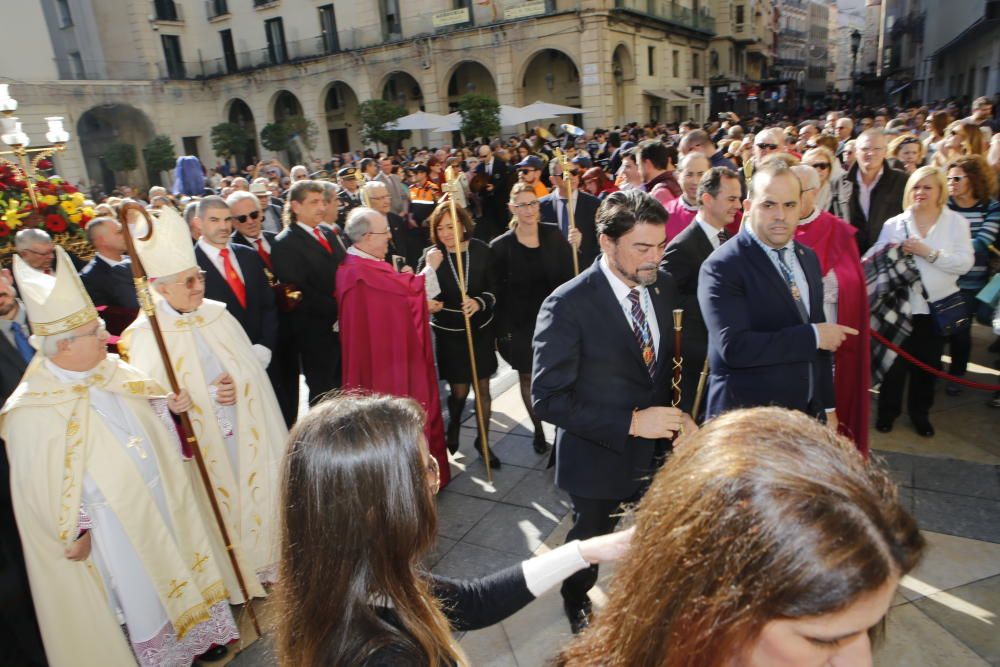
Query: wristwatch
[(933, 255)]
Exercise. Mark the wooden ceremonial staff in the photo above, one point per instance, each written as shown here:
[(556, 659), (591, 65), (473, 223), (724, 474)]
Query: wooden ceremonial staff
[(568, 180), (452, 178), (700, 391), (148, 307)]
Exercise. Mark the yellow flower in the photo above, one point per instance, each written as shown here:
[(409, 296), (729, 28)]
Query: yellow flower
[(88, 211), (69, 206), (78, 197), (13, 217), (75, 218), (49, 200)]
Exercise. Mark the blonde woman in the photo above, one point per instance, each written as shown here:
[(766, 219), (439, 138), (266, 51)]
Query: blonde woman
[(529, 261), (939, 240), (823, 161)]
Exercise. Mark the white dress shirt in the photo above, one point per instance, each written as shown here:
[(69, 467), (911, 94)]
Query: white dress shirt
[(215, 256), (621, 291), (865, 191), (711, 232)]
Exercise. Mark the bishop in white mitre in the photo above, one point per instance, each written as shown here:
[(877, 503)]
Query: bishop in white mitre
[(235, 414), (120, 563)]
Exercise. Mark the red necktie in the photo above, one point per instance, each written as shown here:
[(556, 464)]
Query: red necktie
[(322, 240), (264, 254), (233, 278)]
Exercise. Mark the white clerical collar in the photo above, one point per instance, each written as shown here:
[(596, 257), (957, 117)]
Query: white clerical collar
[(812, 216), (66, 375), (170, 310), (357, 252), (620, 289), (111, 262)]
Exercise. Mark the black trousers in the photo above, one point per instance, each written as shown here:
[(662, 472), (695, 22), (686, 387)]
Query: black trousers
[(960, 344), (926, 346), (284, 372), (321, 364), (591, 517)]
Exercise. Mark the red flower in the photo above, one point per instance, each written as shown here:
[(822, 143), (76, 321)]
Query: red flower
[(4, 230), (55, 223), (45, 164), (69, 189)]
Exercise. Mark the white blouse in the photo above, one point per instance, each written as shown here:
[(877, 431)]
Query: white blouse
[(950, 237)]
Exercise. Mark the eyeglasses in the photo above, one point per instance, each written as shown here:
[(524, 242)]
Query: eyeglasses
[(243, 218), (527, 204), (192, 281), (44, 253), (101, 328), (381, 233), (820, 166), (956, 179), (769, 147), (379, 198)]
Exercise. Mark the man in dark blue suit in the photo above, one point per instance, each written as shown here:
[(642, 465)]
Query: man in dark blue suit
[(761, 296), (234, 274), (554, 208), (108, 276), (602, 368)]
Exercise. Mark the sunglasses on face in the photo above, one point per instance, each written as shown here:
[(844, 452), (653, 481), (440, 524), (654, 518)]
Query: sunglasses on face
[(243, 218), (956, 179), (821, 166), (770, 147)]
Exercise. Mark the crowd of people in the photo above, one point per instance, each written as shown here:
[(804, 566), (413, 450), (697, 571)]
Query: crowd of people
[(150, 489)]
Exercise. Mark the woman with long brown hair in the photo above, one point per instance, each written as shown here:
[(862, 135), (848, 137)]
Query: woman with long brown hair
[(440, 265), (358, 520), (765, 541), (529, 261)]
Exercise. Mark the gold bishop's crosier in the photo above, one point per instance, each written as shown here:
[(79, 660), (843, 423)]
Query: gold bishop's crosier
[(149, 308), (451, 187)]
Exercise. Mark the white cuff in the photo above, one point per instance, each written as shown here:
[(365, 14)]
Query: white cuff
[(263, 354), (543, 572), (431, 284)]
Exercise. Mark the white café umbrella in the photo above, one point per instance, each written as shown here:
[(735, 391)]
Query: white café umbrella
[(539, 110), (420, 120), (509, 117)]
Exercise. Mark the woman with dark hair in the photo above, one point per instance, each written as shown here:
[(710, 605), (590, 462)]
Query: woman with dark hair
[(774, 544), (972, 188), (935, 125), (529, 261), (359, 518), (436, 168), (440, 265)]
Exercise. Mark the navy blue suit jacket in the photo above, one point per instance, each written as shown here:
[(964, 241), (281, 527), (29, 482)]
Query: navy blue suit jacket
[(110, 286), (260, 317), (760, 351), (584, 218), (588, 378)]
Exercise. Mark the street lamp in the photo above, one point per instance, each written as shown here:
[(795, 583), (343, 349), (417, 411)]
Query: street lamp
[(855, 45), (26, 166)]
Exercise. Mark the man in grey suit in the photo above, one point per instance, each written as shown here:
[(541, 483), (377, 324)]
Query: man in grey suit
[(398, 193)]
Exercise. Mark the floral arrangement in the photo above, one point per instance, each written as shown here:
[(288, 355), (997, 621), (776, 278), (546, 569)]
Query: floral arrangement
[(61, 207)]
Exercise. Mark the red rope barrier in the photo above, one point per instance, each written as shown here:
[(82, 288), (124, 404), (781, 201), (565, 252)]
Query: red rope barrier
[(930, 369)]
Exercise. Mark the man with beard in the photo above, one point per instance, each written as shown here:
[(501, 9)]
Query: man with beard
[(602, 368)]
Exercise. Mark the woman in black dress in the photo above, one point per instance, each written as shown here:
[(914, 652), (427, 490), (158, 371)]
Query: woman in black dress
[(529, 261), (358, 520), (439, 264)]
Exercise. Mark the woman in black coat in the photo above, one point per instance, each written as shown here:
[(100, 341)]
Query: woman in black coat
[(529, 262), (358, 520), (440, 265)]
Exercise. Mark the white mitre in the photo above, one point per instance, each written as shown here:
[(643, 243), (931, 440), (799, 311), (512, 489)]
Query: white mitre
[(169, 250), (56, 303)]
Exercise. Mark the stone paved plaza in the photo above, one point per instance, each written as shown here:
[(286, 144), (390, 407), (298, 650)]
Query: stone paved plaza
[(945, 614)]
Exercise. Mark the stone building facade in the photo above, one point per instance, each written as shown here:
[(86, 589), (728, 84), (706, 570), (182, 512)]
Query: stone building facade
[(130, 70)]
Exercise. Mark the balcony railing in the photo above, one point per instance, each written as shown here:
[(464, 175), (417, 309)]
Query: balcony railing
[(671, 12), (216, 8), (791, 63)]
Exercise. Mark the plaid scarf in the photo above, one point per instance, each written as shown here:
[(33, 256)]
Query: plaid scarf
[(889, 275)]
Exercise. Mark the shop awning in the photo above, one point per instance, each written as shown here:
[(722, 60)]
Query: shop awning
[(670, 95)]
